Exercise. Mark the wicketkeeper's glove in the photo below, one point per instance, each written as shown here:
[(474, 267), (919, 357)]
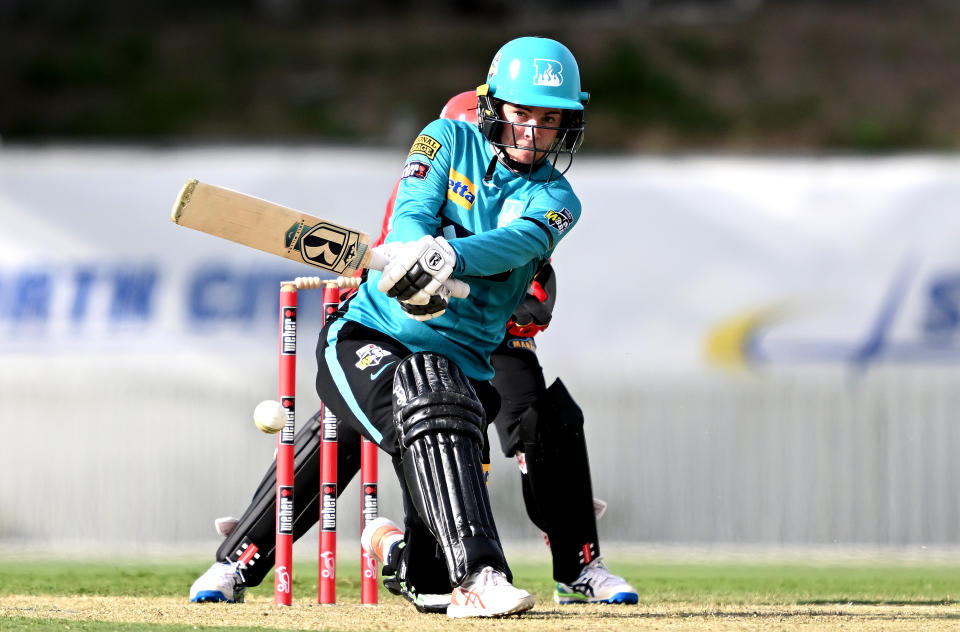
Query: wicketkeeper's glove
[(535, 311)]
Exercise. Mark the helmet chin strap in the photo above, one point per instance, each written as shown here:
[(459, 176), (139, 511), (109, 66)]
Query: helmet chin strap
[(515, 165)]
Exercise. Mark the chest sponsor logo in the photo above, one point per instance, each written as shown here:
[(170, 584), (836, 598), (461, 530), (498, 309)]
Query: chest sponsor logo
[(426, 145), (370, 355), (560, 220), (460, 190), (549, 72), (415, 169), (512, 209)]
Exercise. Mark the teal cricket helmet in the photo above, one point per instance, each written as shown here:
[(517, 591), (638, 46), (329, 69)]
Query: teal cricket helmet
[(536, 72)]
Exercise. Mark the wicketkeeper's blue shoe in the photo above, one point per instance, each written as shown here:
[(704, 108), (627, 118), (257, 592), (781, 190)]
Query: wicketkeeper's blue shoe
[(596, 584), (222, 582)]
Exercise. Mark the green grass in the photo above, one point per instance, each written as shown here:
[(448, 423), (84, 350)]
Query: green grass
[(658, 582)]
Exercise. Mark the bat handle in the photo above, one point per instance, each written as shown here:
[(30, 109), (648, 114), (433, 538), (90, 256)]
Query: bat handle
[(458, 289), (378, 260)]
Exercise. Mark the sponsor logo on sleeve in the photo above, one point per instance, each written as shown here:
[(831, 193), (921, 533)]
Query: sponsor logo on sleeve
[(560, 220), (425, 145), (415, 169), (460, 190)]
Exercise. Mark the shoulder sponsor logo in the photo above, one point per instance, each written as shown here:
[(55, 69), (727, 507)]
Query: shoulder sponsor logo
[(548, 72), (370, 355), (560, 220), (522, 343), (460, 190), (425, 145), (415, 169)]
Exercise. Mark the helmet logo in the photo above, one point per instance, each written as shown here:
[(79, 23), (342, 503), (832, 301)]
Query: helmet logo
[(549, 72)]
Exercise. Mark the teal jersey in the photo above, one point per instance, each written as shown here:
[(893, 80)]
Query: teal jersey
[(501, 227)]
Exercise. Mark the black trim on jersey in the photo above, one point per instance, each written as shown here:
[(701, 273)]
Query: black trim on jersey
[(488, 177), (542, 227), (460, 231), (498, 277)]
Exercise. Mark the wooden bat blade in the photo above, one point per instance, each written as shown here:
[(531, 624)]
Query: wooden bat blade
[(272, 228)]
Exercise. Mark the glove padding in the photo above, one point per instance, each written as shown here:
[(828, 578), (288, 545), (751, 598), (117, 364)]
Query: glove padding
[(417, 270), (535, 311), (436, 306)]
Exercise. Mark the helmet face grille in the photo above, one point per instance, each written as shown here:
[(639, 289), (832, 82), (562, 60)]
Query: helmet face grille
[(567, 142)]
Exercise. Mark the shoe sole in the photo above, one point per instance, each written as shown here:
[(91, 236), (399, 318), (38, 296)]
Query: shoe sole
[(464, 612), (210, 596), (619, 598)]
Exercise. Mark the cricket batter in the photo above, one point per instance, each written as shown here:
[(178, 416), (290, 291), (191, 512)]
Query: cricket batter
[(489, 204)]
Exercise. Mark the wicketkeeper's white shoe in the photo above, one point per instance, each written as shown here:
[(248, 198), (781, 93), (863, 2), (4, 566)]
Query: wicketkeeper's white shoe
[(222, 582), (596, 584), (487, 593)]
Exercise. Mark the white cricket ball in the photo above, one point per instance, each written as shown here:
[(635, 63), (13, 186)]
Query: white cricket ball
[(270, 416)]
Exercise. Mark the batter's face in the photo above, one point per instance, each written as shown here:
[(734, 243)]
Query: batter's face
[(530, 131)]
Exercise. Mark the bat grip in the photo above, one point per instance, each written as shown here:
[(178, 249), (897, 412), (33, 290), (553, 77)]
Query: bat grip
[(458, 289), (378, 260)]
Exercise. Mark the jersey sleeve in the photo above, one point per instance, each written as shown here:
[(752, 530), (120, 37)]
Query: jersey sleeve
[(423, 184), (548, 218)]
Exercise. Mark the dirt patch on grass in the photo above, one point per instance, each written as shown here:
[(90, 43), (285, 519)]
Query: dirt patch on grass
[(395, 614)]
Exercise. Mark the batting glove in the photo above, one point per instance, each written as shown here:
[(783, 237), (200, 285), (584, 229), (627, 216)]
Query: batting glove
[(436, 306), (417, 270)]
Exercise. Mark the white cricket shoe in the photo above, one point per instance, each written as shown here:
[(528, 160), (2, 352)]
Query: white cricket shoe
[(222, 582), (596, 584), (487, 593)]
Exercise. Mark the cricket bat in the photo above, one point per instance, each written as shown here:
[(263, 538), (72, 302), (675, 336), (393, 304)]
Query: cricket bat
[(282, 231), (273, 228)]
